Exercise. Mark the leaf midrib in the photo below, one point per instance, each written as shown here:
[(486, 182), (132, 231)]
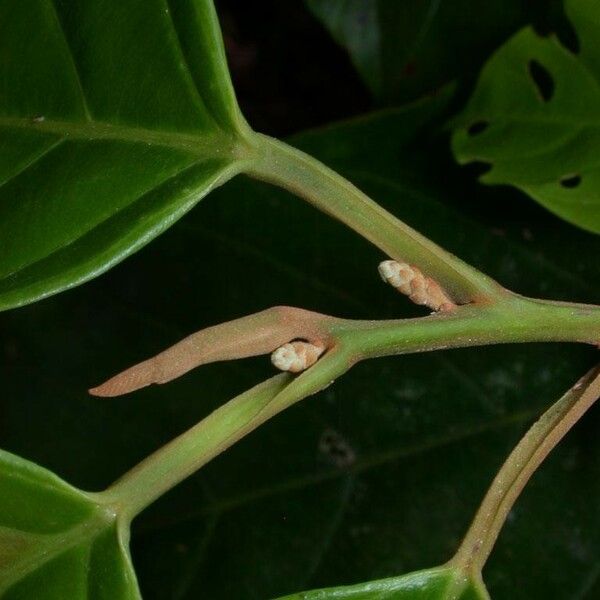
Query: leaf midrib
[(202, 144)]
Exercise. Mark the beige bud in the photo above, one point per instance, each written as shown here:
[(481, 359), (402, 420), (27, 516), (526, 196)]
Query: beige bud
[(411, 282), (296, 356)]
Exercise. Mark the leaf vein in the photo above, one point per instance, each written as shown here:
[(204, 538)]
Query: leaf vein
[(332, 530), (180, 51), (32, 162), (81, 234), (71, 55), (187, 579)]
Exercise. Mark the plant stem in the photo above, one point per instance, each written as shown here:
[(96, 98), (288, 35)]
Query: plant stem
[(515, 320), (512, 320), (522, 463), (184, 455), (287, 167)]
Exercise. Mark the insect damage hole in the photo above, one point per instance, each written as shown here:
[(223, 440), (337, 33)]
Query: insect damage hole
[(570, 181), (478, 127), (542, 79), (478, 168)]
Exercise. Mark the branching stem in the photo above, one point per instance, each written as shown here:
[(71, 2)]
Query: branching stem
[(487, 314), (287, 167), (522, 463), (350, 341), (512, 320), (177, 460)]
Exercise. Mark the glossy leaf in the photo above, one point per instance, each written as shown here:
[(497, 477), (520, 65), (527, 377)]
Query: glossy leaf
[(433, 584), (535, 118), (56, 542), (403, 50), (116, 117), (378, 475)]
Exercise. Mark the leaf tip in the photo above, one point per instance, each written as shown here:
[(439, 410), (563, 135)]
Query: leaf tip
[(130, 380)]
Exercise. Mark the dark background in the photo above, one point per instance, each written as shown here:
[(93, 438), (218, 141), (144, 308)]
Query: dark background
[(425, 434)]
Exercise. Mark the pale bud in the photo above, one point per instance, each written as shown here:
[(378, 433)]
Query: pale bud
[(411, 282), (296, 356)]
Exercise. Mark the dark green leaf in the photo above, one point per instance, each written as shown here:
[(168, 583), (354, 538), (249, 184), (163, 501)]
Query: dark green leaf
[(57, 542), (116, 117), (417, 439), (405, 49), (433, 584), (535, 118)]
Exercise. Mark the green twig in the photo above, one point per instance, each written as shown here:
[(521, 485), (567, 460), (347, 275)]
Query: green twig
[(489, 314), (350, 341), (512, 320), (287, 167), (184, 455), (522, 463)]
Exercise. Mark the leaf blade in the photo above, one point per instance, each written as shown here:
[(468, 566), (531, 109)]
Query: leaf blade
[(535, 118), (56, 541), (442, 583), (143, 95)]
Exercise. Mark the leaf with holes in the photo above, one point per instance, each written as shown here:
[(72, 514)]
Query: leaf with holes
[(116, 117), (440, 583), (535, 117), (58, 542)]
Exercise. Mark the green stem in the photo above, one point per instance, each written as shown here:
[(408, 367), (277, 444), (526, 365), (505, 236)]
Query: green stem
[(177, 460), (522, 463), (512, 320), (182, 456), (305, 176)]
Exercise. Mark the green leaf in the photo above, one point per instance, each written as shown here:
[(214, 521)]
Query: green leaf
[(355, 25), (378, 475), (116, 117), (433, 584), (405, 49), (56, 542), (535, 118)]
